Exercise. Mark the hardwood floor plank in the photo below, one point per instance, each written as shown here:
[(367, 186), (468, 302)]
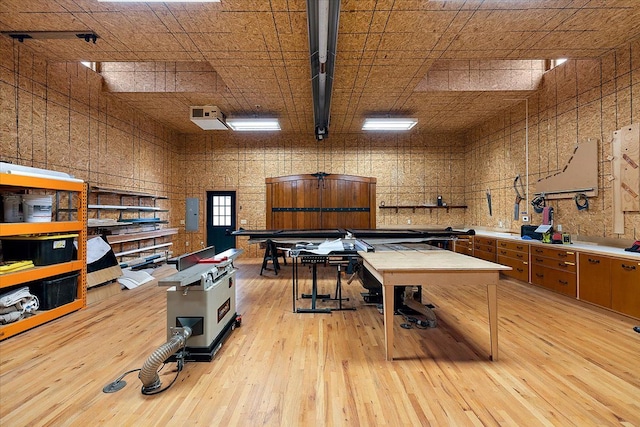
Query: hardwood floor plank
[(562, 363)]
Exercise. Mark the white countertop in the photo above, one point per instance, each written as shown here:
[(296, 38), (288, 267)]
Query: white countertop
[(576, 246)]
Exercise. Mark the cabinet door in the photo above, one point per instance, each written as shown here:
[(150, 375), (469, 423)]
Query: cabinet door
[(520, 269), (595, 279), (295, 203), (554, 280), (625, 287)]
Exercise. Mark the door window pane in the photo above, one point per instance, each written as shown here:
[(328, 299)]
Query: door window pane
[(221, 212)]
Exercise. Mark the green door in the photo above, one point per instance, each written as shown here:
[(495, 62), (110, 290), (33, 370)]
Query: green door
[(221, 219)]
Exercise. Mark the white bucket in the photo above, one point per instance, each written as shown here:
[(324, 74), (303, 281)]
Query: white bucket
[(37, 208), (12, 207)]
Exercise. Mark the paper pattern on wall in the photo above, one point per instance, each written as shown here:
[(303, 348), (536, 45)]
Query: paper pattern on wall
[(580, 174)]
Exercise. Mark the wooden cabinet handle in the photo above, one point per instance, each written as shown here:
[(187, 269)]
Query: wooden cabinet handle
[(504, 245), (629, 267), (519, 248), (561, 255), (539, 275), (520, 270), (503, 252), (539, 260), (563, 282), (568, 263), (594, 261), (519, 256), (539, 251)]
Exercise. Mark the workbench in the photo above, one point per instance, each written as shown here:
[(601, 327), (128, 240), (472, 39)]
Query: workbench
[(424, 268)]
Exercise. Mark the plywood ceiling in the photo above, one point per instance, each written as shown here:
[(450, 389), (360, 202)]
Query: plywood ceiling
[(429, 59)]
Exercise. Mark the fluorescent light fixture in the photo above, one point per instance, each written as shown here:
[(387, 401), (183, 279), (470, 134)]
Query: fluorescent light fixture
[(252, 125), (389, 124)]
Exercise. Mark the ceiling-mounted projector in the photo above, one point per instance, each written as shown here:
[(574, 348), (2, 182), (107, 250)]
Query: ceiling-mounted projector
[(209, 117)]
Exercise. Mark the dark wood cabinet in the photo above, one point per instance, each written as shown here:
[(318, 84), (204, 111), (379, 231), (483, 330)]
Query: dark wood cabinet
[(464, 246), (554, 269), (320, 201), (595, 279), (625, 287), (484, 248), (516, 256)]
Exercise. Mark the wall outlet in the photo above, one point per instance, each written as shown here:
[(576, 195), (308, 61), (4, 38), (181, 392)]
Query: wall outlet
[(182, 222), (409, 221), (186, 243), (559, 227), (500, 224), (243, 221)]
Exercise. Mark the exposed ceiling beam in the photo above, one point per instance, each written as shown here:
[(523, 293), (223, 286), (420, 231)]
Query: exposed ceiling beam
[(322, 20)]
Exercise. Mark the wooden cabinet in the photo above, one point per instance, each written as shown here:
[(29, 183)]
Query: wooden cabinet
[(320, 201), (131, 223), (516, 256), (595, 279), (554, 269), (76, 194), (464, 246), (625, 286), (609, 281), (484, 248)]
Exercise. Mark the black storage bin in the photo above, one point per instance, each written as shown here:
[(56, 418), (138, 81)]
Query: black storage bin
[(56, 291), (42, 250)]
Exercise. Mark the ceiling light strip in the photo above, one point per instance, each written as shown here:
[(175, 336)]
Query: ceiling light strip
[(392, 124)]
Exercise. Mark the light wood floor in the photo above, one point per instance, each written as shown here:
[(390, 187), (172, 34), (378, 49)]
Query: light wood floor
[(562, 363)]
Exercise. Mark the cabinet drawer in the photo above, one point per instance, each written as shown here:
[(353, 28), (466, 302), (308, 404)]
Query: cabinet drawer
[(625, 287), (562, 254), (485, 248), (484, 240), (465, 249), (485, 255), (513, 246), (520, 269), (553, 263), (522, 256), (555, 280)]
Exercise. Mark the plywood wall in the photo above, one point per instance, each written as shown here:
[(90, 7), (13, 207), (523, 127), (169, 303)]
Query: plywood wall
[(56, 116), (410, 170), (579, 99)]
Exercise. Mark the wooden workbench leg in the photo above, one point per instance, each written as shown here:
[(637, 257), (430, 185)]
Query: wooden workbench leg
[(388, 302), (492, 300)]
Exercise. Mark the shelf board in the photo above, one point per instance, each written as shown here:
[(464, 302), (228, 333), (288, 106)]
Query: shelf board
[(49, 183), (14, 228), (414, 207), (133, 237), (145, 249), (127, 208), (105, 190), (39, 318), (39, 272)]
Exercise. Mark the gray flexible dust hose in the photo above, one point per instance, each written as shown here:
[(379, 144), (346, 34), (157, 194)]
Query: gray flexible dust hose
[(149, 372)]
